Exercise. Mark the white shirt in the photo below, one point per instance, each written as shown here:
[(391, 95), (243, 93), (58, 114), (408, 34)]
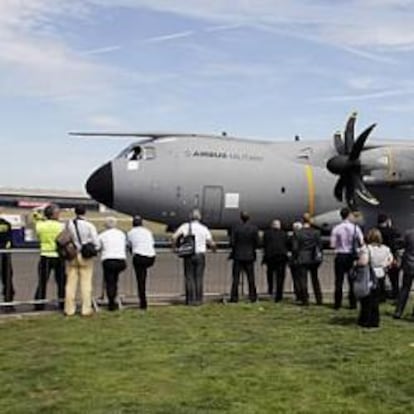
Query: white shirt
[(87, 233), (113, 244), (201, 234), (141, 241), (381, 258)]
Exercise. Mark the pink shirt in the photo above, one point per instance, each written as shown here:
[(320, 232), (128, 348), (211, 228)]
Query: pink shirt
[(342, 236)]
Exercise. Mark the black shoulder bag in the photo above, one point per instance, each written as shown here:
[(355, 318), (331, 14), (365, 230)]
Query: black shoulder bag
[(187, 246), (355, 245), (88, 250)]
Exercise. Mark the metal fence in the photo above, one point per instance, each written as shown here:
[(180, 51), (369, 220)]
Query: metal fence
[(165, 280)]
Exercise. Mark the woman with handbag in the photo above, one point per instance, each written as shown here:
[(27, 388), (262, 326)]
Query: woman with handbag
[(372, 262), (381, 259)]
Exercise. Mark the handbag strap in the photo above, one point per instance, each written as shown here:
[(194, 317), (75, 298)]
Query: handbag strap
[(75, 223), (190, 233), (354, 238)]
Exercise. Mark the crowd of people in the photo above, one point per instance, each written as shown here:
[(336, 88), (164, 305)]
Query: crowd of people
[(369, 263)]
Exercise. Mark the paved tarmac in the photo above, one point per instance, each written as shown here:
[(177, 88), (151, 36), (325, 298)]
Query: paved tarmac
[(165, 280)]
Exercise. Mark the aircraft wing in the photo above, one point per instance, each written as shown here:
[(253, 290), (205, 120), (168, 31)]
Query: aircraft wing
[(154, 136)]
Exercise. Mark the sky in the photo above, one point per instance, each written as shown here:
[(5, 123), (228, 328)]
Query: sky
[(253, 68)]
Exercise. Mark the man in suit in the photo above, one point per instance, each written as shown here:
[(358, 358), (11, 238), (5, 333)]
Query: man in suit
[(307, 246), (391, 237), (244, 242), (275, 257), (408, 273)]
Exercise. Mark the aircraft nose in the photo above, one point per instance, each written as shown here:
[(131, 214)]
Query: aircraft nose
[(100, 185)]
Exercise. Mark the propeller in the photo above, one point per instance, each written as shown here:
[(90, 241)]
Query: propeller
[(347, 165)]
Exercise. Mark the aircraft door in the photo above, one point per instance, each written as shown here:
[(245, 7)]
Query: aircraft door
[(212, 206)]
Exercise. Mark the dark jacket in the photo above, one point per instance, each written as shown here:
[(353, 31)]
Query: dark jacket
[(275, 245), (5, 233), (391, 238), (306, 243), (244, 242), (408, 257)]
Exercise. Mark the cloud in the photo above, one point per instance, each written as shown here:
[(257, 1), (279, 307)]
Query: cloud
[(406, 107), (105, 121), (101, 50), (38, 62), (325, 41), (168, 37), (36, 59), (363, 83), (366, 96), (223, 28), (237, 70), (353, 23)]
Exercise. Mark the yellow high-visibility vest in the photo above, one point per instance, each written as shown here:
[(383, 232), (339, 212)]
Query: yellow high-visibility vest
[(47, 232)]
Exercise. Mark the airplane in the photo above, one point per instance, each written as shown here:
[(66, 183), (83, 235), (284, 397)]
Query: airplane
[(164, 176)]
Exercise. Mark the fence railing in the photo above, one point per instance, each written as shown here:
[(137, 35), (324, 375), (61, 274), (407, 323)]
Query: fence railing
[(165, 280)]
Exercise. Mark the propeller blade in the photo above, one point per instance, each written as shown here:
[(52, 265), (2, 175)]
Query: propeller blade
[(339, 143), (339, 189), (360, 142), (363, 193), (350, 190), (349, 133)]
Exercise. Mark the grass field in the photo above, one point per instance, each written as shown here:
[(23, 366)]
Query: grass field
[(260, 358)]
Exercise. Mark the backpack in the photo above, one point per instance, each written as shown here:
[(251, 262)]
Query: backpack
[(65, 246), (186, 244)]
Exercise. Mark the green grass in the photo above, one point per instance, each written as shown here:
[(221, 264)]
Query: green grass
[(261, 358)]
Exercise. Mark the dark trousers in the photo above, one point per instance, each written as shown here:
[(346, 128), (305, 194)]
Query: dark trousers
[(382, 294), (394, 277), (111, 270), (369, 311), (302, 283), (404, 292), (248, 268), (46, 265), (141, 265), (276, 271), (194, 275), (7, 277), (294, 271), (343, 266)]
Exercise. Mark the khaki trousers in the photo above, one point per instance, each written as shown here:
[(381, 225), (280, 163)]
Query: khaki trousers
[(82, 269)]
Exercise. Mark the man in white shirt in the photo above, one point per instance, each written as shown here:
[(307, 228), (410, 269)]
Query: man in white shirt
[(82, 232), (113, 256), (194, 264), (141, 242)]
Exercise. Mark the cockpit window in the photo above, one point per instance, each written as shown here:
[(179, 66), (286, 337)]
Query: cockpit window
[(149, 153), (137, 152)]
